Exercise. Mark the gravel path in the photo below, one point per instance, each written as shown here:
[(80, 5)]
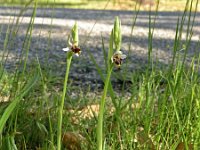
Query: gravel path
[(50, 35)]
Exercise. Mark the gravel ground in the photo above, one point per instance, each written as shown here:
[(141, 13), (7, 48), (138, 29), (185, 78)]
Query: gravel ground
[(52, 27)]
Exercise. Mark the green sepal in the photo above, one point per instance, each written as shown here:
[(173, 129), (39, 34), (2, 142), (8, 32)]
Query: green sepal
[(110, 51)]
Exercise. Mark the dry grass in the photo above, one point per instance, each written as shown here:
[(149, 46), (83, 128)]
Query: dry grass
[(165, 5)]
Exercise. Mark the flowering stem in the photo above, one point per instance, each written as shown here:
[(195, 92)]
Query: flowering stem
[(61, 103), (100, 117)]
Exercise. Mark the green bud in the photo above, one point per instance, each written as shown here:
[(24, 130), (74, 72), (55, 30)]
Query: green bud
[(110, 51), (74, 33), (117, 33)]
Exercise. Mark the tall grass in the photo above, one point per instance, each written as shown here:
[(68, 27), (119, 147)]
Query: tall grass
[(162, 111)]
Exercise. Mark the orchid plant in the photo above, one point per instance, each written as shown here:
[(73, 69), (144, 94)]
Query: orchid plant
[(72, 49), (114, 59)]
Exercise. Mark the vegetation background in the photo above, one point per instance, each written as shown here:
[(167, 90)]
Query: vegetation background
[(156, 107)]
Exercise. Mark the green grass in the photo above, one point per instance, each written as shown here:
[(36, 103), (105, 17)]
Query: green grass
[(162, 111)]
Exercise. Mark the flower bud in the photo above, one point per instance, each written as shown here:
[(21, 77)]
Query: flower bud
[(74, 34), (117, 34)]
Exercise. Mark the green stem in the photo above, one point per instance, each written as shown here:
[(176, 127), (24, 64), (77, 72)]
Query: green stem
[(100, 117), (61, 104)]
